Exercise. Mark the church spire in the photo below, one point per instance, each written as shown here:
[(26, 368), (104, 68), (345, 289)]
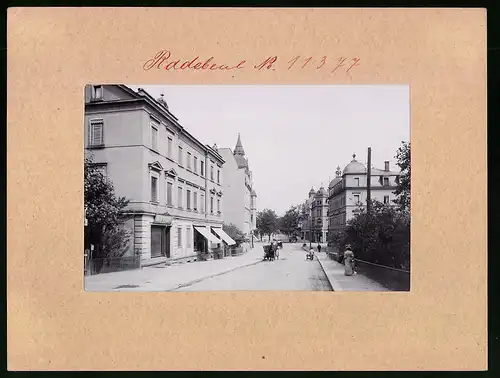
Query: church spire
[(238, 150)]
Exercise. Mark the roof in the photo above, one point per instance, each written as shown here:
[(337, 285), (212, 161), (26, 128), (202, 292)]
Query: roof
[(337, 179), (381, 172), (334, 182), (321, 192), (238, 150), (354, 167)]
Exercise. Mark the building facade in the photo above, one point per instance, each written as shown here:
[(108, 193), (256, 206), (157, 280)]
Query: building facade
[(173, 181), (347, 192), (319, 213), (314, 221), (240, 197)]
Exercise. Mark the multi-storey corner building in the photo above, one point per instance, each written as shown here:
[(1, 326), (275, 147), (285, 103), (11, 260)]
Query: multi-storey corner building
[(239, 195), (173, 181), (319, 214), (348, 191), (314, 225)]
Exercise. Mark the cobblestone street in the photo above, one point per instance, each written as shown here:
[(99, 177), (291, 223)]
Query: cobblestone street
[(290, 272)]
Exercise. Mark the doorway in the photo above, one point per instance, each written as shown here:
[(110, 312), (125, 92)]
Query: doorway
[(160, 241)]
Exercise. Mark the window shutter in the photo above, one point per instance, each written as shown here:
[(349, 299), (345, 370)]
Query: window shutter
[(154, 186), (96, 133), (169, 193), (154, 138)]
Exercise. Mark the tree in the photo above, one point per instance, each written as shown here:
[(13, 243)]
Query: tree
[(267, 222), (381, 237), (104, 214), (234, 232), (290, 221), (403, 191)]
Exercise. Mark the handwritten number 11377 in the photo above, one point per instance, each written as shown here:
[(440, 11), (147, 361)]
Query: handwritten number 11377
[(319, 63)]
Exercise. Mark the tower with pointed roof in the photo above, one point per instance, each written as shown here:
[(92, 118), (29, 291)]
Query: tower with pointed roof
[(240, 195)]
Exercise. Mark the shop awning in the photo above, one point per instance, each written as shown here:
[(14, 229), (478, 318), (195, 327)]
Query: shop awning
[(208, 235), (224, 236)]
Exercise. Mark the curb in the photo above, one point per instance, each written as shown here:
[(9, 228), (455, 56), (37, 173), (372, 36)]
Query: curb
[(333, 282), (180, 286)]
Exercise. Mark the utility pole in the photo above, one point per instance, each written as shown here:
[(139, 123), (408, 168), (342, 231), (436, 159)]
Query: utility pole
[(310, 227), (368, 182)]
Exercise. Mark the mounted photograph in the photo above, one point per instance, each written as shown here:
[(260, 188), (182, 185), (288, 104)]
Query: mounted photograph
[(246, 187)]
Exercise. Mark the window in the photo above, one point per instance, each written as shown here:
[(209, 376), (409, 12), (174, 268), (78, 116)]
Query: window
[(195, 201), (169, 193), (218, 205), (188, 199), (154, 189), (97, 92), (179, 236), (386, 181), (195, 165), (212, 173), (202, 203), (154, 137), (356, 181), (169, 147), (102, 169), (211, 205), (189, 160), (202, 169), (179, 197), (356, 199), (218, 176), (96, 132), (188, 237), (180, 155), (386, 199)]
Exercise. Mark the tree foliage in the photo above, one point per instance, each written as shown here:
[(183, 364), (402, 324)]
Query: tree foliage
[(267, 222), (289, 222), (104, 214), (403, 191), (234, 232), (381, 237)]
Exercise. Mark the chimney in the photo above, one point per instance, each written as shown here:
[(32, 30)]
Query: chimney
[(386, 166)]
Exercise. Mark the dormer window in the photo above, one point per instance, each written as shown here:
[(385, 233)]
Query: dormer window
[(96, 92)]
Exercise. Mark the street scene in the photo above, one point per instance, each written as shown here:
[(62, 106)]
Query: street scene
[(215, 188)]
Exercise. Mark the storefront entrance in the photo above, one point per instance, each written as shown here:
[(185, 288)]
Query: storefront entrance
[(160, 241)]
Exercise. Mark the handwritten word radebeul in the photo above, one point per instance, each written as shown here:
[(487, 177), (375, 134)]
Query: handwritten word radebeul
[(162, 61)]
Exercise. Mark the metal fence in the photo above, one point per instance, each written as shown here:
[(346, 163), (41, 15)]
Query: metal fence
[(111, 264), (392, 278)]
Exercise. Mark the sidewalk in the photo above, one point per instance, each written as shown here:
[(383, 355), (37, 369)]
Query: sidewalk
[(340, 282), (166, 278)]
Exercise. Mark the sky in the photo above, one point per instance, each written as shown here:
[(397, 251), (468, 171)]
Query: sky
[(294, 136)]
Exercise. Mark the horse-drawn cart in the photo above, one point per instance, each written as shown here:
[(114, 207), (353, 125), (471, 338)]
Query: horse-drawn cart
[(269, 253)]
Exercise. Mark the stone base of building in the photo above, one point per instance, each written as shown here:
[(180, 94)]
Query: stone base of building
[(172, 242)]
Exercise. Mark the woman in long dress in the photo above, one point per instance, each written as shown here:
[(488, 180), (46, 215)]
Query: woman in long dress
[(348, 262)]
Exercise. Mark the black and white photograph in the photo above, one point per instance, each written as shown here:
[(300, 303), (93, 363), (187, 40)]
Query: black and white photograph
[(192, 188)]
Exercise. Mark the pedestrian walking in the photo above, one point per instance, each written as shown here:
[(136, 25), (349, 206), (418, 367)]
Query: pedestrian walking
[(319, 247), (274, 246), (348, 261)]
